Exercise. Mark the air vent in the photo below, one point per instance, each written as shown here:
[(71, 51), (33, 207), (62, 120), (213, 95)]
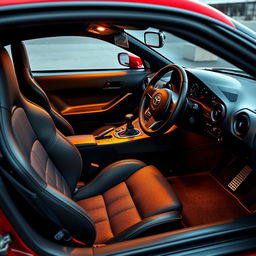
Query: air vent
[(218, 113), (241, 124)]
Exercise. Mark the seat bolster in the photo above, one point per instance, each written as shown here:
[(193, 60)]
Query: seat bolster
[(147, 225), (109, 177), (61, 123), (67, 214)]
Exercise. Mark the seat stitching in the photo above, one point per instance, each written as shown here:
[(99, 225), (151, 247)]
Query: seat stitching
[(37, 156), (93, 209), (60, 182), (117, 198), (123, 210), (63, 186), (41, 171), (99, 221), (21, 124), (46, 171), (133, 201), (111, 229), (56, 180)]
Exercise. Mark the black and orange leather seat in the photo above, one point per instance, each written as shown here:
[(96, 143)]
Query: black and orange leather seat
[(125, 200)]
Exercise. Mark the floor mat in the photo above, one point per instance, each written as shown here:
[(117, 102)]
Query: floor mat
[(205, 200)]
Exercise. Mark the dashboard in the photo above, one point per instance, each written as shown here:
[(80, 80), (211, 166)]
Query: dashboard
[(210, 106), (221, 104)]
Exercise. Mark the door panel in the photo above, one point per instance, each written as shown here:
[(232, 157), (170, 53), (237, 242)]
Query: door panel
[(91, 99)]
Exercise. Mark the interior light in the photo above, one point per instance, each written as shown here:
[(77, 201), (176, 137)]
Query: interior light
[(101, 29)]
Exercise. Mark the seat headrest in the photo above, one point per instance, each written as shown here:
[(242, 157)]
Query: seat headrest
[(9, 88), (20, 58)]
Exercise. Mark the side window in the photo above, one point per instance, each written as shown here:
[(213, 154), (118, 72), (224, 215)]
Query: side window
[(72, 53)]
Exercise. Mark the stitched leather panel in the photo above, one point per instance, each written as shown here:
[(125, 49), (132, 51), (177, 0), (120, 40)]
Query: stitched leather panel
[(96, 208), (23, 132), (121, 209), (151, 193), (112, 212), (39, 158)]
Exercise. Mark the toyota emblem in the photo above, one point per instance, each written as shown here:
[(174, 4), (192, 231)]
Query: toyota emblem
[(157, 100)]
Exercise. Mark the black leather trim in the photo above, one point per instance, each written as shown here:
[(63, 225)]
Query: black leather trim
[(62, 124), (71, 215), (146, 225), (109, 177)]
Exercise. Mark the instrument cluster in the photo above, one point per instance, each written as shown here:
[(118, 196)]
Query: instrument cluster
[(199, 92), (213, 110)]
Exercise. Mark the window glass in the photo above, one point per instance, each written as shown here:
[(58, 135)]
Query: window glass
[(184, 53), (72, 53)]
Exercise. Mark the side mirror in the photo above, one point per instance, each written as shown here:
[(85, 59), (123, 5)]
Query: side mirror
[(129, 60), (154, 39)]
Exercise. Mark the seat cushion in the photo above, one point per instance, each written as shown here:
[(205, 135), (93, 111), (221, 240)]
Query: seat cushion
[(144, 194)]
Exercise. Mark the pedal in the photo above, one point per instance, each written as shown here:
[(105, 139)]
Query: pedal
[(240, 177)]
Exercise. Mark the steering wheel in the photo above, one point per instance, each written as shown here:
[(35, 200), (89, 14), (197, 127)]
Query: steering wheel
[(159, 108)]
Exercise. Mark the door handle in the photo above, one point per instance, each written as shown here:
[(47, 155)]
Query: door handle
[(113, 85)]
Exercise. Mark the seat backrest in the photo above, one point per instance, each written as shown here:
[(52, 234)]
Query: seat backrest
[(32, 91), (40, 157)]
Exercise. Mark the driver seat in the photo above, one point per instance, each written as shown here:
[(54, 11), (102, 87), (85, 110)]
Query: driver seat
[(126, 200)]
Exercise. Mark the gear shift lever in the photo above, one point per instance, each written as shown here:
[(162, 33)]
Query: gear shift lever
[(129, 126), (128, 131)]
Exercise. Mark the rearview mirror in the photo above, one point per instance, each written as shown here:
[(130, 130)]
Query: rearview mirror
[(129, 60), (154, 39)]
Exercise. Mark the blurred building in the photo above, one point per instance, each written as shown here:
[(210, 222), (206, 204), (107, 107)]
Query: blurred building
[(238, 9)]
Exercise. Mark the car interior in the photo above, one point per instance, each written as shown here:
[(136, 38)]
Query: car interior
[(105, 156)]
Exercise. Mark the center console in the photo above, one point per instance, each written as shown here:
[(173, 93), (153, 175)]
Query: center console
[(110, 146), (128, 132), (126, 141)]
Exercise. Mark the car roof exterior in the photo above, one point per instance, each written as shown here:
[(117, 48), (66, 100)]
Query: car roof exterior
[(188, 5)]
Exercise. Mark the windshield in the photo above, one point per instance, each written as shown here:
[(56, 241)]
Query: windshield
[(189, 55), (183, 53)]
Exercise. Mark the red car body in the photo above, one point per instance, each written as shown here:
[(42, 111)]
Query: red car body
[(187, 5), (18, 247)]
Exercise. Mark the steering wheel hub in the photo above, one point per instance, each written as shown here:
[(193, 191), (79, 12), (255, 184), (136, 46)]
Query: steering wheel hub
[(160, 102)]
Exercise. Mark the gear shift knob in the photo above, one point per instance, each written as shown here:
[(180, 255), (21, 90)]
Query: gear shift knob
[(129, 118), (128, 131)]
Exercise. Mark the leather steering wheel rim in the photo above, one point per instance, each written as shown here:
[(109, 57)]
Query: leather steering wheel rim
[(161, 102)]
